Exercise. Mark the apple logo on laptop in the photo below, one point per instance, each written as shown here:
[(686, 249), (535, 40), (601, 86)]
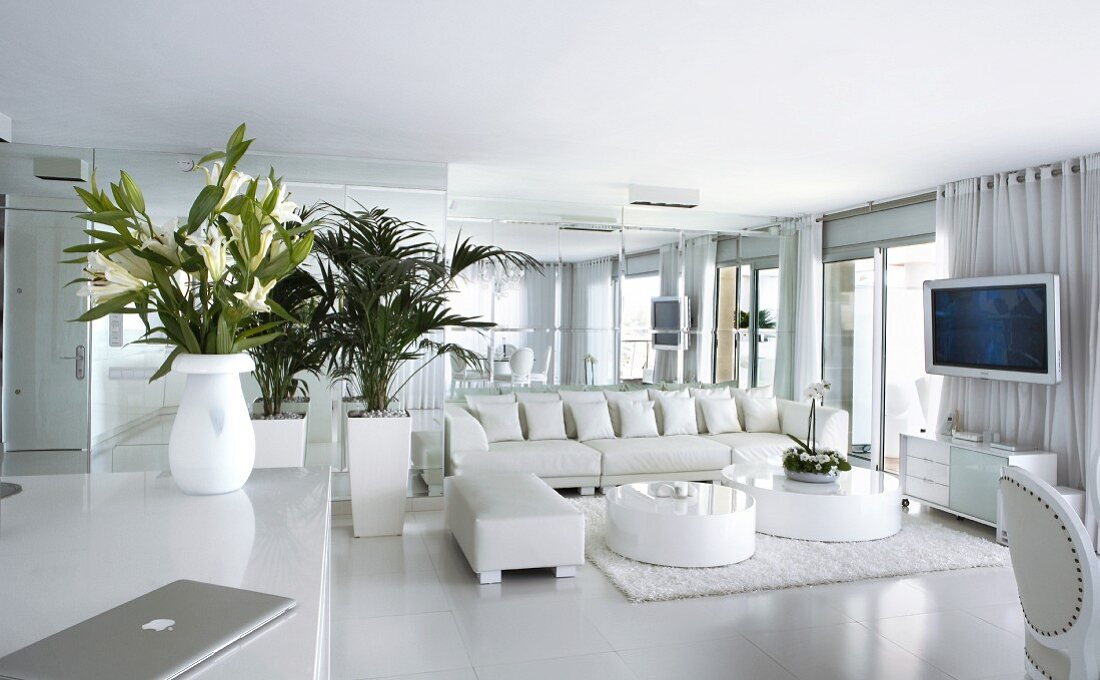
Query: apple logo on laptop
[(159, 625)]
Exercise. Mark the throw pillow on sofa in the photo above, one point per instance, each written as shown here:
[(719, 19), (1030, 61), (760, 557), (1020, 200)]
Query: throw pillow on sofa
[(593, 421), (615, 400), (545, 419), (500, 422), (656, 395), (761, 415), (637, 419), (720, 415), (677, 416), (581, 400), (703, 393)]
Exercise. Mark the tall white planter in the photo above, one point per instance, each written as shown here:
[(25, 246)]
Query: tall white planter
[(280, 443), (212, 446), (378, 465)]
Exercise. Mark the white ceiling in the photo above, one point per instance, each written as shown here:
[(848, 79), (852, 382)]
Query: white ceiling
[(768, 107)]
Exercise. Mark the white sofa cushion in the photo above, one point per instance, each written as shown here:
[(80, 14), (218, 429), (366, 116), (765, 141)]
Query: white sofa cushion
[(658, 455), (761, 414), (754, 392), (720, 415), (593, 422), (545, 420), (544, 458), (637, 419), (571, 398), (654, 394), (701, 393), (754, 447), (832, 424), (500, 422), (678, 416), (533, 397), (475, 400), (615, 400)]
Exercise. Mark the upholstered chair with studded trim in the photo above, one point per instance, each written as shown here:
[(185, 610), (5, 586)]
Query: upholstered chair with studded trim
[(1057, 574)]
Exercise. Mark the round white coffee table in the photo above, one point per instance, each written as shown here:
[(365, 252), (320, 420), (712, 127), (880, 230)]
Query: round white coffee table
[(862, 505), (715, 525)]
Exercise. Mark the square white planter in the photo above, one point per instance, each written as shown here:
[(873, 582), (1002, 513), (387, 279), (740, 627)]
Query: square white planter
[(288, 407), (280, 443), (378, 465)]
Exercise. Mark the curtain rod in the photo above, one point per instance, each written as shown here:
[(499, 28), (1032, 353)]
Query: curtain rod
[(1021, 176), (873, 207)]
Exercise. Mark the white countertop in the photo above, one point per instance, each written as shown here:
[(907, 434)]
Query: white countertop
[(72, 546)]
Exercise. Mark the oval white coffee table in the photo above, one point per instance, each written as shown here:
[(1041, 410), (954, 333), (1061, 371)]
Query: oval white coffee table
[(862, 505), (714, 526)]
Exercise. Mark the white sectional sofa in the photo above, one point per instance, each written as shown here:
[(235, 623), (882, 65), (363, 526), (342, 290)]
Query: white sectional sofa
[(566, 462)]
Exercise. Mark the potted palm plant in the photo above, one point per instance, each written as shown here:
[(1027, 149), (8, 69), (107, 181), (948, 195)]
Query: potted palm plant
[(279, 415), (390, 281), (196, 285)]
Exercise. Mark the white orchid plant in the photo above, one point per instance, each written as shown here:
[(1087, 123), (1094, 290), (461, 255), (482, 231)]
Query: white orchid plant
[(195, 285), (806, 457)]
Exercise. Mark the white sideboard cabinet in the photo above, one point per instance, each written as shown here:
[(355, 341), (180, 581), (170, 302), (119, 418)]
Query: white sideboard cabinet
[(963, 477)]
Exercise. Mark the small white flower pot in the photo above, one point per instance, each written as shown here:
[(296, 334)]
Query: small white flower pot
[(378, 465), (280, 443), (301, 407)]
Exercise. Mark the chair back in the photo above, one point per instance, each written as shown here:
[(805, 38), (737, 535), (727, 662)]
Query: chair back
[(1056, 570), (522, 362), (457, 364)]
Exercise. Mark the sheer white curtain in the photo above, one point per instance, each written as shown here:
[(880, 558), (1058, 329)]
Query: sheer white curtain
[(591, 323), (1039, 220), (798, 332), (666, 365), (700, 278)]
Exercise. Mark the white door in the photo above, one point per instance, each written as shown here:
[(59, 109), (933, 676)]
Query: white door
[(46, 356)]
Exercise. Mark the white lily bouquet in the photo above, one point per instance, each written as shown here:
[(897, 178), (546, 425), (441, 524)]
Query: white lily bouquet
[(806, 459), (195, 284)]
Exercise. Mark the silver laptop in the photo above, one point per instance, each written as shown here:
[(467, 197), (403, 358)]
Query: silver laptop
[(157, 636)]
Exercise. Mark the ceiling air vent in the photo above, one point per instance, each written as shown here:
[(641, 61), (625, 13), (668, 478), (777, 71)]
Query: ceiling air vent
[(664, 197)]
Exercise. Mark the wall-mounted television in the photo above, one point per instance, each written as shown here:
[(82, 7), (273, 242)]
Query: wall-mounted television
[(995, 327), (668, 317)]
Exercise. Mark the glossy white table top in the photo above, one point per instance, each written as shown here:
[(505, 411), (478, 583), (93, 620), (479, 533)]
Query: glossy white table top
[(856, 482), (72, 546), (655, 498)]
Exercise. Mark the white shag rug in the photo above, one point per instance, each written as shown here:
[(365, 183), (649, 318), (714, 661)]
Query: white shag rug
[(921, 546)]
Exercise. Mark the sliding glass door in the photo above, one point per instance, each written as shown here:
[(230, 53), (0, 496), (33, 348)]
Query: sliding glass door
[(847, 352), (748, 310), (873, 347)]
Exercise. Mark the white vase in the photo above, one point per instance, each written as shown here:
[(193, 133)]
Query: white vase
[(280, 442), (212, 446), (378, 465)]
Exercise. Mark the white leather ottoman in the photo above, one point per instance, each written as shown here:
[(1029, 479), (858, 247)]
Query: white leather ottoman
[(512, 521)]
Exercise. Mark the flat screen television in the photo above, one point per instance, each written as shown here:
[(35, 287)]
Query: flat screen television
[(668, 316), (995, 327)]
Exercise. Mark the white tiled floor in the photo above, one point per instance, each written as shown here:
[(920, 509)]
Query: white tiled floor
[(409, 607)]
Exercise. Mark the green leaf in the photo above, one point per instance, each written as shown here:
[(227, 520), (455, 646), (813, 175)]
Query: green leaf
[(107, 307), (167, 365), (203, 206), (212, 156), (254, 341), (801, 444), (133, 193)]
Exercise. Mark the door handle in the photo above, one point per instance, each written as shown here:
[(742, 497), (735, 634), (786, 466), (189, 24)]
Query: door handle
[(80, 359)]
